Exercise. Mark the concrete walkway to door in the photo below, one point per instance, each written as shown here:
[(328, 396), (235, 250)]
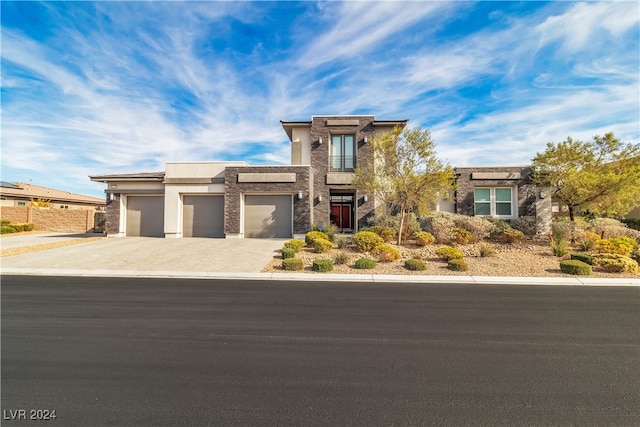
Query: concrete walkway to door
[(154, 254)]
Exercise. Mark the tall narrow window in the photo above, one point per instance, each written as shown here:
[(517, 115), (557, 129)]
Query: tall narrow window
[(482, 201), (342, 152)]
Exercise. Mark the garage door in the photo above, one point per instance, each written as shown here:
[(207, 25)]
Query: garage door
[(267, 216), (203, 216), (145, 216)]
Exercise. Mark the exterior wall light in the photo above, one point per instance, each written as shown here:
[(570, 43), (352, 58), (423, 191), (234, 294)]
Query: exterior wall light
[(299, 195), (320, 140), (320, 198), (366, 140), (365, 198), (543, 194)]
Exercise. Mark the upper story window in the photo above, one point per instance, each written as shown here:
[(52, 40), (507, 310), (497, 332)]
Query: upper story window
[(343, 151), (494, 201)]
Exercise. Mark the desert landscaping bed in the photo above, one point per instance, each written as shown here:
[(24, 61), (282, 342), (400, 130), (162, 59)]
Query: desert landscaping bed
[(531, 258)]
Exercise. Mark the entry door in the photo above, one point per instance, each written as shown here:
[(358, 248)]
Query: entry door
[(342, 212)]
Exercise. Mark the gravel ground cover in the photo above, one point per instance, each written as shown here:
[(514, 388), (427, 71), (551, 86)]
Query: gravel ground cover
[(532, 258)]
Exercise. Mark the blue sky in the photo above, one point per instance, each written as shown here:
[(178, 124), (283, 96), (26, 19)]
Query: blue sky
[(117, 87)]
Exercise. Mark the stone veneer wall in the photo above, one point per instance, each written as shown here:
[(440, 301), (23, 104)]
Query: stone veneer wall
[(112, 224), (527, 194), (234, 191), (320, 163)]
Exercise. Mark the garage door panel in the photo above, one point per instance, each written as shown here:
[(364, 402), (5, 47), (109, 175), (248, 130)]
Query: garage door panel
[(268, 216), (145, 216), (203, 216)]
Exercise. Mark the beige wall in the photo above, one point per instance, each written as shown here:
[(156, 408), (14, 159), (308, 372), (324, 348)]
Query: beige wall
[(50, 219), (301, 146)]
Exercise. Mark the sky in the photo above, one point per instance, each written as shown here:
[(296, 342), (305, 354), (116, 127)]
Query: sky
[(91, 88)]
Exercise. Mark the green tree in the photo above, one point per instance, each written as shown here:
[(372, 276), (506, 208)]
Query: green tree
[(600, 176), (404, 174)]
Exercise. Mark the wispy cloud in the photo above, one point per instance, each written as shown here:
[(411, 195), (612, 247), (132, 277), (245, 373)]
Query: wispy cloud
[(109, 87)]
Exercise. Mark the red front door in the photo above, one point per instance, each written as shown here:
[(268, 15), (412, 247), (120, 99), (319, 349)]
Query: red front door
[(341, 215)]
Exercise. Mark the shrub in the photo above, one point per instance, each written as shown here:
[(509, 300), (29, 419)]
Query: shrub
[(458, 264), (633, 223), (365, 264), (605, 227), (424, 238), (586, 258), (386, 253), (635, 255), (288, 253), (341, 258), (321, 246), (22, 226), (448, 253), (527, 224), (5, 222), (393, 222), (567, 230), (5, 229), (367, 240), (559, 246), (295, 244), (414, 264), (615, 263), (440, 225), (487, 250), (292, 264), (322, 265), (479, 227), (328, 229), (511, 235), (616, 245), (575, 267), (341, 242), (461, 236), (588, 241), (387, 233), (311, 236)]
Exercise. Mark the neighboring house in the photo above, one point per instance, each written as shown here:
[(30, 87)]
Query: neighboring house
[(236, 200), (18, 194)]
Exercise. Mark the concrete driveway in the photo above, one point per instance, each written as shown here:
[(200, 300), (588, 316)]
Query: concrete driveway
[(147, 254)]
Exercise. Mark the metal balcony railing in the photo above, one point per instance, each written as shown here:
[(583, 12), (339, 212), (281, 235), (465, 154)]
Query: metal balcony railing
[(342, 163)]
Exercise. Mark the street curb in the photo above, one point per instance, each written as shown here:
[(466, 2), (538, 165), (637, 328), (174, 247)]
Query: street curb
[(366, 278)]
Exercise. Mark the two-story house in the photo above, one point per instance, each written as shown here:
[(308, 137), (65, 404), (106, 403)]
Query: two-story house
[(237, 200)]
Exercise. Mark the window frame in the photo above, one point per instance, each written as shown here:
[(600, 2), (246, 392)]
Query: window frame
[(342, 155), (494, 203)]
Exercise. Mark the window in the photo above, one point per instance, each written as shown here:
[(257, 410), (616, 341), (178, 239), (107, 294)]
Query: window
[(342, 152), (494, 201), (21, 204)]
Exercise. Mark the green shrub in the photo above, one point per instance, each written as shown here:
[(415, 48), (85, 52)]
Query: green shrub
[(387, 233), (487, 250), (448, 253), (461, 236), (615, 263), (586, 258), (386, 253), (321, 246), (288, 253), (295, 244), (328, 229), (588, 241), (393, 222), (5, 229), (5, 222), (457, 264), (575, 267), (424, 238), (292, 264), (341, 258), (559, 246), (527, 224), (498, 227), (341, 242), (633, 223), (365, 264), (635, 255), (414, 264), (440, 225), (311, 237), (367, 240), (322, 265), (511, 235)]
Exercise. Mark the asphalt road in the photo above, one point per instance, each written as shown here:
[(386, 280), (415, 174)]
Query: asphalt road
[(156, 352)]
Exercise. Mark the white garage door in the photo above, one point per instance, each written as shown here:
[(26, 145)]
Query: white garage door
[(267, 216), (203, 216), (145, 216)]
